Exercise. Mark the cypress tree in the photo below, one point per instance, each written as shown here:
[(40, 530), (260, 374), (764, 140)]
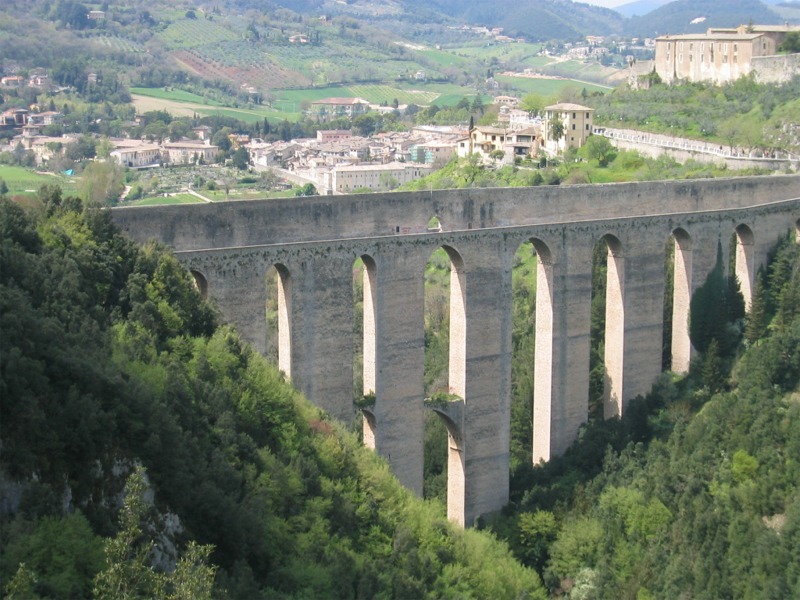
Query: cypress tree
[(758, 319)]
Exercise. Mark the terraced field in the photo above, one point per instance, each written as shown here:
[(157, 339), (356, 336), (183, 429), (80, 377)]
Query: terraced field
[(119, 44), (190, 33)]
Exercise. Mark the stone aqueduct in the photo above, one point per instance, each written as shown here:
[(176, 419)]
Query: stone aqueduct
[(313, 243)]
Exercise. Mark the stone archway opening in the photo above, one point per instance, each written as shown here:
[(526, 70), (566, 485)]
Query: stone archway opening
[(677, 347), (200, 283), (607, 329), (744, 262), (279, 317), (365, 344), (451, 416), (532, 352), (434, 224), (445, 374)]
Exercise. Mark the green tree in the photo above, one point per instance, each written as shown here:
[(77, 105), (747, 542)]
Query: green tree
[(477, 105), (714, 310), (221, 139), (533, 103), (128, 574), (791, 43), (101, 183), (557, 128), (365, 125), (758, 318), (598, 148), (3, 187), (23, 585), (241, 158), (537, 531), (307, 190)]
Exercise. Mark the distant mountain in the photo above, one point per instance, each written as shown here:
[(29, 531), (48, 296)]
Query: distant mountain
[(536, 19), (696, 16), (640, 7)]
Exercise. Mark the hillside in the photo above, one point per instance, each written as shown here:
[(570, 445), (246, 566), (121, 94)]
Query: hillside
[(109, 359), (696, 16)]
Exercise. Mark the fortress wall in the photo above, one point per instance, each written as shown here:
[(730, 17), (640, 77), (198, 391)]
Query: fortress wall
[(779, 68)]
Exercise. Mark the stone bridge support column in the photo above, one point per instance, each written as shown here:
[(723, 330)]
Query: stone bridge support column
[(400, 360), (572, 302), (644, 310), (322, 331), (237, 286), (487, 402)]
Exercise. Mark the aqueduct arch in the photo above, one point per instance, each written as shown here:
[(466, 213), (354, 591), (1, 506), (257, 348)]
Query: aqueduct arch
[(200, 283), (543, 353), (450, 402), (681, 346), (369, 335), (283, 290), (313, 242), (745, 262), (615, 328)]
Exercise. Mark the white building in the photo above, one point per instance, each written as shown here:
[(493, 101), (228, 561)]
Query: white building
[(138, 156), (345, 179), (187, 152)]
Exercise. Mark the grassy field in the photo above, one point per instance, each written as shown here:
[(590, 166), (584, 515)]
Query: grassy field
[(444, 58), (406, 93), (494, 50), (174, 95), (161, 200), (245, 194), (21, 181), (176, 108), (546, 87)]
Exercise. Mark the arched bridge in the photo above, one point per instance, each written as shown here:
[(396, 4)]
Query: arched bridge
[(314, 242)]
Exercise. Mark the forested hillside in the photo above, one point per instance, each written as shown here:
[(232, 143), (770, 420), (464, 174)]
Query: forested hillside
[(109, 359), (696, 16)]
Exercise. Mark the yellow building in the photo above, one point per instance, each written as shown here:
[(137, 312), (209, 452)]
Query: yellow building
[(572, 121)]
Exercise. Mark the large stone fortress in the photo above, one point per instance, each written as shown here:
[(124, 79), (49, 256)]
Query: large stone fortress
[(313, 243), (723, 55)]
